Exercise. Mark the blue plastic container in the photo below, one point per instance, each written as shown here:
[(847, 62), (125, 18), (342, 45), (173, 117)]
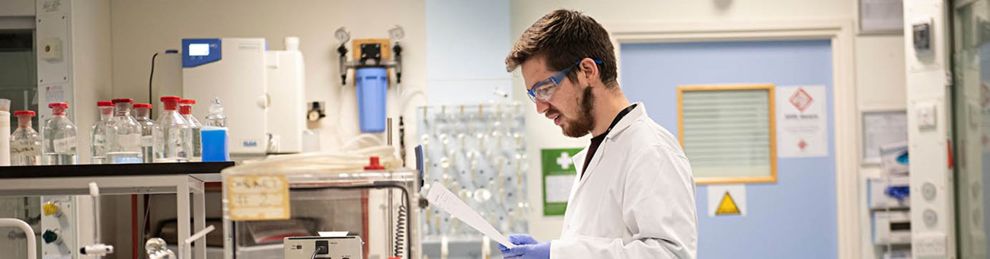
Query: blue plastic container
[(214, 140), (372, 86)]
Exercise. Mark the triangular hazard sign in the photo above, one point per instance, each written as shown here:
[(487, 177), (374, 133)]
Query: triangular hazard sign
[(727, 206)]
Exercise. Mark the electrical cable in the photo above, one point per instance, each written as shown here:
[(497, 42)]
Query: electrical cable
[(402, 141), (319, 249), (151, 77), (400, 229)]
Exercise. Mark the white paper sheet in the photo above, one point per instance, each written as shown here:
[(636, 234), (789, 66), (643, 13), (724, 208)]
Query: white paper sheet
[(802, 121), (882, 128), (333, 233), (558, 187), (446, 200)]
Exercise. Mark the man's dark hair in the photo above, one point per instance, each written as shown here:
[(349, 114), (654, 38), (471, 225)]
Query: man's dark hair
[(564, 37)]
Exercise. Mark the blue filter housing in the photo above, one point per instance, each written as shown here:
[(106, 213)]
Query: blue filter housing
[(372, 85)]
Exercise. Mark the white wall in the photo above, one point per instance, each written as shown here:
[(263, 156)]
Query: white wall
[(880, 76), (466, 43), (879, 59), (142, 27), (91, 66)]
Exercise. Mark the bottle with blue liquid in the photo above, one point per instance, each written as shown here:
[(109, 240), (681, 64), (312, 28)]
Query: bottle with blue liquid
[(214, 134)]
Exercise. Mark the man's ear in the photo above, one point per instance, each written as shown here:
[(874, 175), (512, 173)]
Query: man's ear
[(589, 70)]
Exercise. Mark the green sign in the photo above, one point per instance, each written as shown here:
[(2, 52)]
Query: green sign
[(559, 172)]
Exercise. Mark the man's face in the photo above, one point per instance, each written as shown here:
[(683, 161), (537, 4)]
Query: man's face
[(570, 105)]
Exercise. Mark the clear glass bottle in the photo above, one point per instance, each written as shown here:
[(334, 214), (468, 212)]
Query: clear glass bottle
[(126, 145), (173, 139), (103, 131), (25, 143), (142, 113), (216, 118), (59, 136), (185, 109)]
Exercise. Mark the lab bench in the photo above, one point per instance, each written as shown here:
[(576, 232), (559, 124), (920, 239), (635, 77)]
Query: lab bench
[(186, 180)]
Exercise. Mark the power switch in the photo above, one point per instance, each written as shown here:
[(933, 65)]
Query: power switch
[(927, 116), (322, 247)]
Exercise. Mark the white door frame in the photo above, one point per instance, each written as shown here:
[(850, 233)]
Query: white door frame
[(845, 110)]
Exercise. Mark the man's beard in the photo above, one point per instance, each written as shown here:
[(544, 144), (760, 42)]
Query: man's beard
[(579, 127)]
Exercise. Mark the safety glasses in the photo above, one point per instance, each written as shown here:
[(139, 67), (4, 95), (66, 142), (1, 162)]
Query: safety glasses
[(544, 89)]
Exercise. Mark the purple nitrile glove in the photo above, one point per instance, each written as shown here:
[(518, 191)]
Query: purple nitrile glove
[(517, 239), (526, 248)]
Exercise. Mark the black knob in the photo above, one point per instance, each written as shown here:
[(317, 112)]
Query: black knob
[(49, 236)]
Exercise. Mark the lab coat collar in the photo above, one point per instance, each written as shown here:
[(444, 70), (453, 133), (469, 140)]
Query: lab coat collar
[(578, 160), (633, 116)]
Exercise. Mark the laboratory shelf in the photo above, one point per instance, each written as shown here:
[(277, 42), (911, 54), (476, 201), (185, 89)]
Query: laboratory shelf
[(97, 170), (185, 180)]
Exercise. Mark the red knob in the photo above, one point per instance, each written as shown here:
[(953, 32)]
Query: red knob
[(374, 164)]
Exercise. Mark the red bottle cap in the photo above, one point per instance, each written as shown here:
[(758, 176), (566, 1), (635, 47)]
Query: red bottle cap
[(142, 105), (28, 113), (104, 104), (123, 100), (62, 105), (187, 101), (374, 164), (170, 102), (58, 108)]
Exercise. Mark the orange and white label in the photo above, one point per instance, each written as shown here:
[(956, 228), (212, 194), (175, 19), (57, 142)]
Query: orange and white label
[(257, 197)]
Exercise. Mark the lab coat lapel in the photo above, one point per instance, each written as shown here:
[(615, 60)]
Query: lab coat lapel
[(578, 160), (595, 160), (632, 116)]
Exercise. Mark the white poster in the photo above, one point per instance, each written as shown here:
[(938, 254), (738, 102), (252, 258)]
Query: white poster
[(880, 129), (881, 15), (558, 187), (802, 121), (727, 200)]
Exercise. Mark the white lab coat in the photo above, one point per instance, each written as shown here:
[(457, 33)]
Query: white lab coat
[(636, 200)]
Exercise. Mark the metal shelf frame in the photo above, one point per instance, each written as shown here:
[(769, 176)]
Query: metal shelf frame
[(189, 189)]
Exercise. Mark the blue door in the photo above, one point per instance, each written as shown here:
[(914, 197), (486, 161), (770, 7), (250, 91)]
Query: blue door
[(793, 218)]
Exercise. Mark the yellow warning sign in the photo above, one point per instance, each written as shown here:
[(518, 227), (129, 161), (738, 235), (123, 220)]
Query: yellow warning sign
[(727, 206)]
